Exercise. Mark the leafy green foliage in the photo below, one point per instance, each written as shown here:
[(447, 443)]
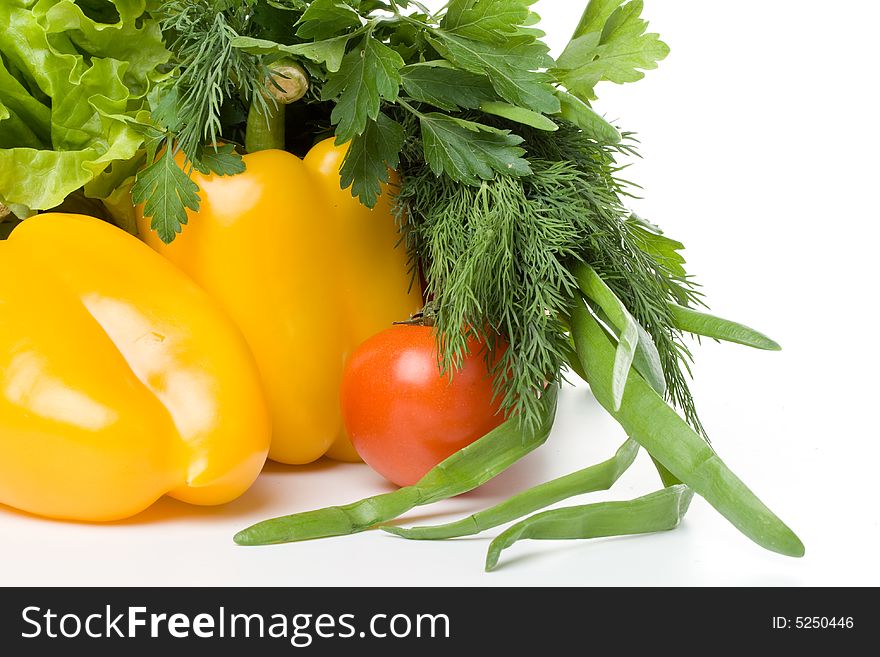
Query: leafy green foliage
[(585, 117), (472, 55), (73, 90), (369, 74), (447, 88), (362, 169), (519, 115), (324, 19), (222, 160), (511, 67), (611, 43), (167, 192), (498, 260), (470, 152), (188, 114), (486, 20), (211, 68), (329, 52)]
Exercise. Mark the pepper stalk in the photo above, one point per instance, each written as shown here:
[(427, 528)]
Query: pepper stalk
[(287, 83)]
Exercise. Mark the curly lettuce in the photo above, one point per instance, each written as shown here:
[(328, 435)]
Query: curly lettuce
[(74, 80)]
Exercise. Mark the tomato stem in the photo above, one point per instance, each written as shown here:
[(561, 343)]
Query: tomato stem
[(419, 319), (427, 316)]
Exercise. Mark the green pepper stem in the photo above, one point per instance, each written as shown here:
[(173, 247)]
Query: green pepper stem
[(265, 129), (287, 83)]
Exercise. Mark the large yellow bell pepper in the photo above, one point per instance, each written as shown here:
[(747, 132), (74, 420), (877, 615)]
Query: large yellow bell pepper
[(307, 272), (120, 380)]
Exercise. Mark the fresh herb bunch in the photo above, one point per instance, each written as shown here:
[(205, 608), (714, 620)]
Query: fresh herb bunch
[(498, 260), (509, 175), (188, 110), (370, 60), (438, 67)]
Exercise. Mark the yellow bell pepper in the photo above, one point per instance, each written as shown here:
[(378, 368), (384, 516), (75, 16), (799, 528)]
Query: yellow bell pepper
[(306, 272), (120, 380)]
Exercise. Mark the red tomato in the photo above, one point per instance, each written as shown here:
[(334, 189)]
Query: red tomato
[(404, 416)]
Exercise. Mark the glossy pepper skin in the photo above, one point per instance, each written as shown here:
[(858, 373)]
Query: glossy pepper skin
[(120, 380), (306, 272)]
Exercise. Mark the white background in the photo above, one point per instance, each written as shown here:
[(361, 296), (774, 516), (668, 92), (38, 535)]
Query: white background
[(760, 141)]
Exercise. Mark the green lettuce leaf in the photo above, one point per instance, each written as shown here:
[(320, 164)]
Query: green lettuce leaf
[(73, 93)]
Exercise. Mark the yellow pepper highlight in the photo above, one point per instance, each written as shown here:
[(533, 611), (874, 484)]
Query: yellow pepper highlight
[(120, 380), (306, 272)]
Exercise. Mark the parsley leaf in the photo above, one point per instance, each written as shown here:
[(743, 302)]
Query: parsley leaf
[(289, 5), (329, 51), (327, 18), (167, 192), (586, 118), (610, 44), (370, 156), (520, 115), (446, 88), (167, 112), (486, 20), (369, 74), (596, 14), (271, 19), (223, 161), (512, 67), (470, 152)]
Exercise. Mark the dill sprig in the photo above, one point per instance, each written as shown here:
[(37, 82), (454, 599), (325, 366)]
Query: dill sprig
[(210, 72), (211, 69), (497, 261)]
